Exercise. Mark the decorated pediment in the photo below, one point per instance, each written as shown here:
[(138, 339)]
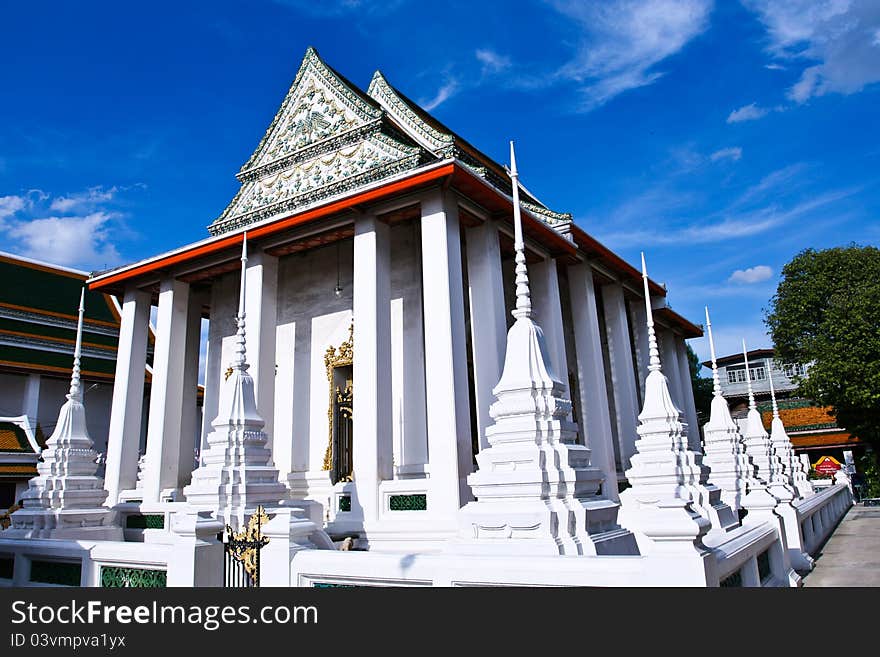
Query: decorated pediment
[(330, 173), (329, 138), (318, 106), (326, 138)]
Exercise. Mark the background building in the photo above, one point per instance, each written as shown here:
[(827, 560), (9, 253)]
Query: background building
[(38, 306), (812, 428)]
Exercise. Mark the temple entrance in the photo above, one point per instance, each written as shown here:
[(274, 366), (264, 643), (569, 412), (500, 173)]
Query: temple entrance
[(343, 467), (339, 457)]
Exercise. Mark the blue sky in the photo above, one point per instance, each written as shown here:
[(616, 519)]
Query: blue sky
[(720, 137)]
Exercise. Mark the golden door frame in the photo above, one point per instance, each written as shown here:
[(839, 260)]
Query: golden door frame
[(335, 357)]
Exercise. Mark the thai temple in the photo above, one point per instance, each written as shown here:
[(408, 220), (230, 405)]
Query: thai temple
[(417, 375)]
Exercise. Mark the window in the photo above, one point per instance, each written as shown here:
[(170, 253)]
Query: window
[(736, 376), (793, 370), (739, 375)]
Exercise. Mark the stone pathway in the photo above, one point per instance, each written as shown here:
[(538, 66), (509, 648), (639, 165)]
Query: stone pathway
[(851, 557)]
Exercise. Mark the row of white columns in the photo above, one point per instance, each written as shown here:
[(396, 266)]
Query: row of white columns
[(175, 366)]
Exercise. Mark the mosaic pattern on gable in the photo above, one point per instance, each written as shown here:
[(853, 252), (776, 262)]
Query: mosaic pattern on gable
[(358, 164), (315, 114)]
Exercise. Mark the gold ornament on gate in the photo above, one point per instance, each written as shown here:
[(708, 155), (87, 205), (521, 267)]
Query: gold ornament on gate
[(244, 545)]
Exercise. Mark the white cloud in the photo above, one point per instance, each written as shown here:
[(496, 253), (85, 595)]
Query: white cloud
[(732, 225), (80, 229), (732, 153), (9, 205), (748, 112), (622, 42), (82, 241), (449, 89), (785, 178), (838, 37), (88, 199), (492, 61), (751, 275), (774, 67)]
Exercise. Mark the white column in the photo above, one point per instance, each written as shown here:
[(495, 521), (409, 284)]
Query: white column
[(260, 308), (639, 327), (488, 323), (596, 417), (687, 392), (283, 425), (449, 435), (622, 371), (669, 357), (189, 425), (124, 435), (372, 362), (31, 406), (547, 312), (166, 394)]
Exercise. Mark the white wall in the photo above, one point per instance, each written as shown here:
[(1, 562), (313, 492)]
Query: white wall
[(311, 318)]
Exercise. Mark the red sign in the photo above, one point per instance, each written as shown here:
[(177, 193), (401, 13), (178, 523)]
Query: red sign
[(827, 465)]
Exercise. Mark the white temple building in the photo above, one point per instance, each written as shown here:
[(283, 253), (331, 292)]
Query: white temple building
[(415, 355), (376, 397)]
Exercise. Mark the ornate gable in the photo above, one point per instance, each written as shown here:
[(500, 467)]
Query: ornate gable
[(439, 143), (327, 138), (317, 106)]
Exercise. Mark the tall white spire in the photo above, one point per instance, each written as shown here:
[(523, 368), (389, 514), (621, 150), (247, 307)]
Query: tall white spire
[(65, 499), (75, 387), (237, 473), (773, 395), (759, 446), (773, 478), (523, 294), (565, 515), (241, 346), (653, 350), (752, 405), (722, 443), (669, 483), (716, 383), (792, 466)]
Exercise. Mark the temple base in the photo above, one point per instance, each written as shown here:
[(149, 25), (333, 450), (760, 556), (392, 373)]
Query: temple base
[(70, 524)]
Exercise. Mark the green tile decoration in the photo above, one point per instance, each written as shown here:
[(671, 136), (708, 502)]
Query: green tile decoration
[(138, 578), (416, 502), (147, 521)]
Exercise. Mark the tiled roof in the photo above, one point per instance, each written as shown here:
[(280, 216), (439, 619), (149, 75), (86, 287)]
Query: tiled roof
[(18, 471), (52, 361), (38, 317), (13, 438), (41, 288)]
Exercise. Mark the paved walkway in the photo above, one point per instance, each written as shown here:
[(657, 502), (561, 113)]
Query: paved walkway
[(851, 557)]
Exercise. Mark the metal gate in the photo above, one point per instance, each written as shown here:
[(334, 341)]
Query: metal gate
[(343, 466), (241, 561)]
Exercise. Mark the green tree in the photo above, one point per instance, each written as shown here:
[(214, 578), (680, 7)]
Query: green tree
[(702, 386), (826, 313)]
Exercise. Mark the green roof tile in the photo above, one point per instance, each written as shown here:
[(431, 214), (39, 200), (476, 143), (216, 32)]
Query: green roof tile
[(55, 359), (44, 290)]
